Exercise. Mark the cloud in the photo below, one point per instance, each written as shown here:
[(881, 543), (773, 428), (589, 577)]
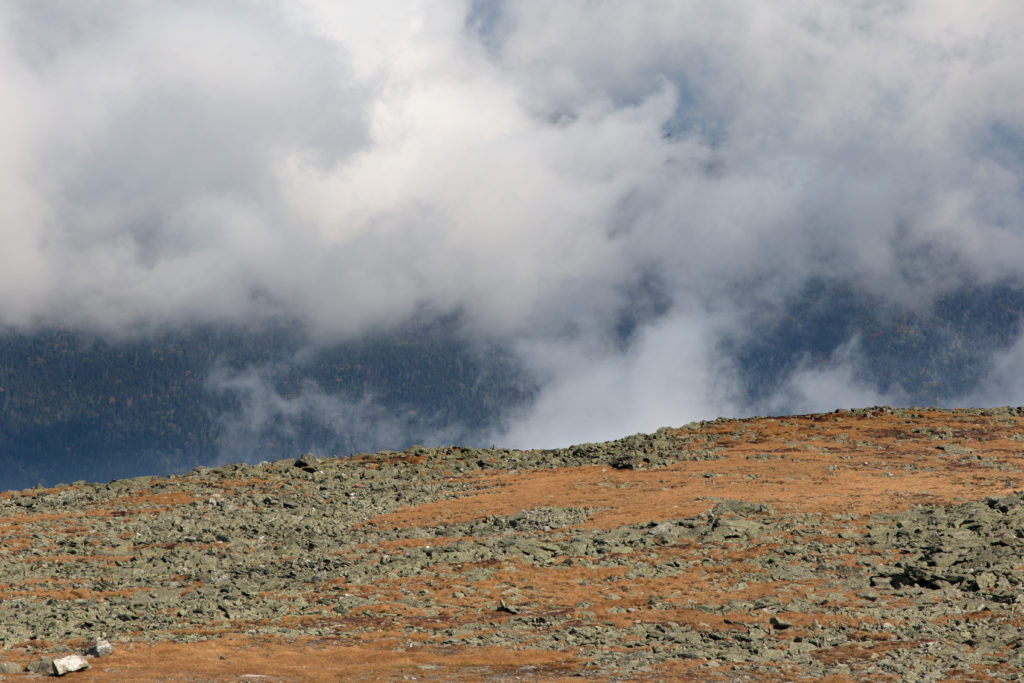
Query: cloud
[(599, 394), (838, 383), (150, 137), (1004, 382), (610, 189), (263, 421)]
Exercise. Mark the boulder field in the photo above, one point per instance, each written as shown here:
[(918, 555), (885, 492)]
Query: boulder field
[(879, 544)]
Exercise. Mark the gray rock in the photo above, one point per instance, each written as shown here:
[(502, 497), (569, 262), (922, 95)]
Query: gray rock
[(308, 462), (100, 648), (740, 507), (41, 666)]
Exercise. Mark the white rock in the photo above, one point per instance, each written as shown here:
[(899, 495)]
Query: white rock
[(68, 664)]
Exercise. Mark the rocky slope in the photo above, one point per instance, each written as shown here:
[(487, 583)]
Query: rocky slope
[(878, 544)]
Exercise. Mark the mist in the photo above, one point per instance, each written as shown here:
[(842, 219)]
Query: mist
[(635, 201), (265, 422)]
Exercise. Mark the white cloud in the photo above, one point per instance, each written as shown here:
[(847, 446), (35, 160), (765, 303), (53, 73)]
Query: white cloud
[(596, 394), (1004, 382), (352, 164), (816, 388)]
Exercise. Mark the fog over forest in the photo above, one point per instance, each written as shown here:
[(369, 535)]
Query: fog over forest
[(528, 224)]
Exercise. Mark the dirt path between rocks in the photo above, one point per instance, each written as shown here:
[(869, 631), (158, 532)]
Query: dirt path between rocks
[(879, 544)]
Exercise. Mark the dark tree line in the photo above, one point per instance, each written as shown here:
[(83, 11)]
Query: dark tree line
[(934, 354), (77, 406)]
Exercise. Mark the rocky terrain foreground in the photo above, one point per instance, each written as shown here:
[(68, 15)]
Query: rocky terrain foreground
[(877, 544)]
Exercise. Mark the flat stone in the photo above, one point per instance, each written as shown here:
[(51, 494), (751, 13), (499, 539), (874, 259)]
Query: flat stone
[(65, 665)]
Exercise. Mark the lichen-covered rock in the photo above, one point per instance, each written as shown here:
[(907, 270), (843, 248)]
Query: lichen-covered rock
[(40, 666), (100, 648)]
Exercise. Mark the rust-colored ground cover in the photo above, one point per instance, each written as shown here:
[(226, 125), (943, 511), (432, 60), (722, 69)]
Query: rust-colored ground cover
[(834, 469)]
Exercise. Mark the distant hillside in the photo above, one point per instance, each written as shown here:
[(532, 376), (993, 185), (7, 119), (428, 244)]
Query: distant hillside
[(77, 406), (74, 406), (935, 355)]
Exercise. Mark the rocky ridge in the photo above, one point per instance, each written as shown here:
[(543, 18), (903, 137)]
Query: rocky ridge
[(879, 544)]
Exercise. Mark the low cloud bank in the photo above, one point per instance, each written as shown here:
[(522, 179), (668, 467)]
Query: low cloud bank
[(625, 196)]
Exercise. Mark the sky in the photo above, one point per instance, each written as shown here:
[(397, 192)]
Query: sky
[(611, 190)]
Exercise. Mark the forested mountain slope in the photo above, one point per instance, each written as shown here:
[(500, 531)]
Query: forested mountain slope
[(74, 406)]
